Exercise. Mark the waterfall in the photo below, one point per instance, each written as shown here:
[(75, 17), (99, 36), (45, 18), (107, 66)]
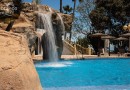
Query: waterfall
[(62, 24), (39, 33), (46, 23)]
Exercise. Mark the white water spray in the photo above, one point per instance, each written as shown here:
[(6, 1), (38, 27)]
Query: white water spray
[(62, 23), (50, 36)]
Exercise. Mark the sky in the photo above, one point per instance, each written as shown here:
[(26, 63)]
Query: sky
[(54, 3)]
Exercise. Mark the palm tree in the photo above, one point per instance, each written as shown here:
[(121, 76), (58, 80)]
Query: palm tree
[(67, 9), (61, 6), (74, 7)]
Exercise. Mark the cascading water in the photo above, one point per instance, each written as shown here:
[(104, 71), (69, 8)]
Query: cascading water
[(50, 36), (44, 21), (62, 23), (39, 33)]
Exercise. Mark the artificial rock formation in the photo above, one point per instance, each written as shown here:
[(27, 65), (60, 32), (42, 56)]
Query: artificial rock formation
[(61, 23), (24, 21), (17, 71), (24, 25)]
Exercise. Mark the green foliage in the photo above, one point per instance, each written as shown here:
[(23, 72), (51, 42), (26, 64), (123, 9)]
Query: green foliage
[(84, 42), (67, 9), (110, 14), (99, 18)]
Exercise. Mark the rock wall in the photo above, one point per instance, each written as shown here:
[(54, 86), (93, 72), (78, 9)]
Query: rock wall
[(25, 26), (24, 23), (59, 27), (17, 71)]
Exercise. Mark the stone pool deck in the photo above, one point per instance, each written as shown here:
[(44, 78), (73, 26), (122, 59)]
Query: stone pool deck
[(68, 57)]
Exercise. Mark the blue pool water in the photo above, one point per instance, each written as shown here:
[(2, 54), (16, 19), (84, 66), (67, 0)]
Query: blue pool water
[(85, 74)]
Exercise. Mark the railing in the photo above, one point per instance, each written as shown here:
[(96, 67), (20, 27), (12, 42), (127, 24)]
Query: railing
[(81, 49), (77, 49), (70, 46)]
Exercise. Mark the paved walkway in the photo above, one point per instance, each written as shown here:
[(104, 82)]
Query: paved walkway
[(37, 57), (68, 57)]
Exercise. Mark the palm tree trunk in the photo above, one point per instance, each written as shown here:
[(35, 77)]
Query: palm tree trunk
[(72, 18), (74, 8), (61, 6)]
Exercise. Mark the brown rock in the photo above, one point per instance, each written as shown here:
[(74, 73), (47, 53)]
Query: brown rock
[(26, 27), (17, 71), (67, 19), (25, 21)]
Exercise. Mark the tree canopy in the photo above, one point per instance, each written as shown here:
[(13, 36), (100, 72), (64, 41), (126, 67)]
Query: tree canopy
[(111, 15), (101, 16), (67, 9)]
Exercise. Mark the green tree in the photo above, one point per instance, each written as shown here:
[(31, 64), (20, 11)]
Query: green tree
[(82, 23), (84, 42), (111, 15), (67, 9)]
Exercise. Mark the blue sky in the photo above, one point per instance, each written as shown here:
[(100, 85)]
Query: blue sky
[(54, 3)]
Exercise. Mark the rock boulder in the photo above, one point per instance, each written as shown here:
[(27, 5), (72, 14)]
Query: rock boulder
[(17, 71)]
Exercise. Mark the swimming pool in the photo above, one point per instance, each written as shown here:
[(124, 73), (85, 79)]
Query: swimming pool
[(89, 74)]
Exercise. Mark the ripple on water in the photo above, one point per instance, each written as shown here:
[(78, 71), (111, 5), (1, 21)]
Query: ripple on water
[(54, 64)]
